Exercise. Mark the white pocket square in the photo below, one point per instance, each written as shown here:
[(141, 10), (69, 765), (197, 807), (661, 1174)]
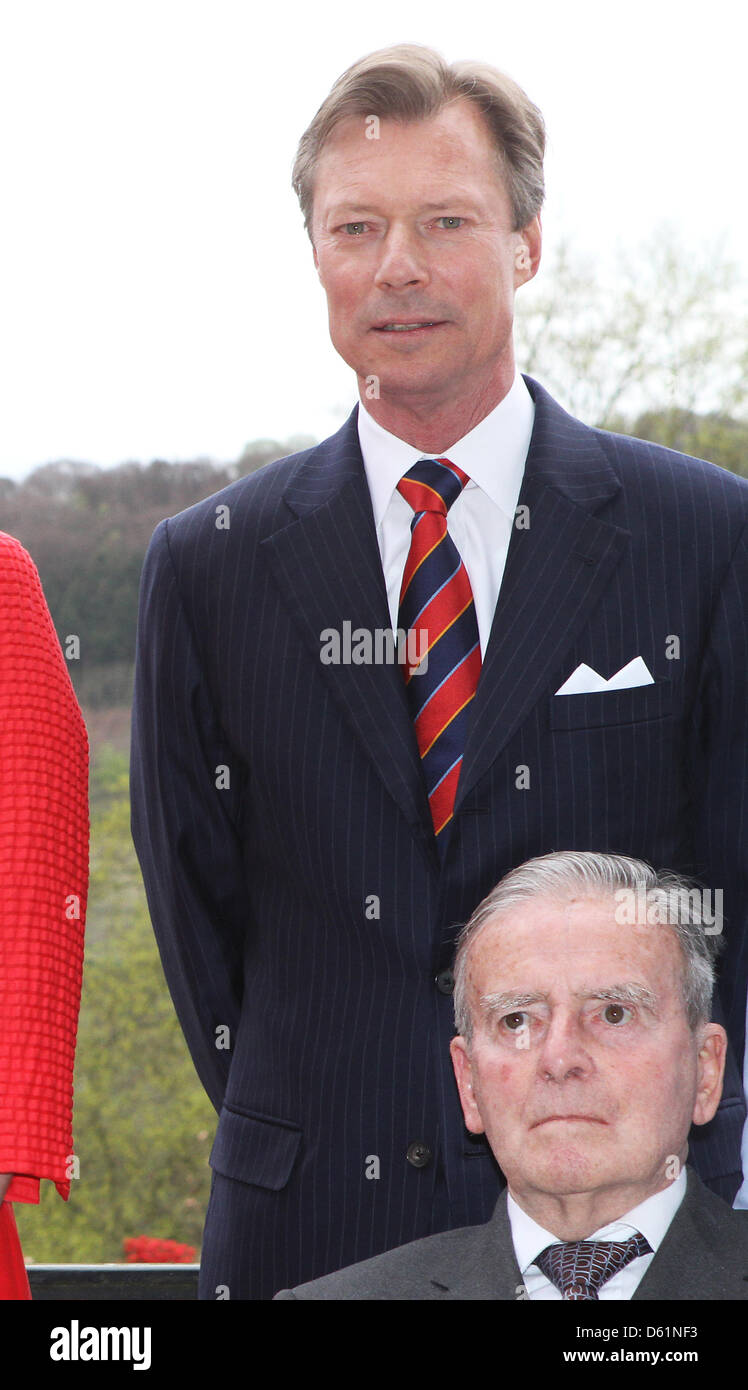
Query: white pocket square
[(584, 681)]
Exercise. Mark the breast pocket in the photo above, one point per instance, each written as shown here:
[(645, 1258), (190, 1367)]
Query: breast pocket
[(609, 708)]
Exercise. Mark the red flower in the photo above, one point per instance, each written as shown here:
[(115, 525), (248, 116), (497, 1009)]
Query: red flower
[(149, 1250)]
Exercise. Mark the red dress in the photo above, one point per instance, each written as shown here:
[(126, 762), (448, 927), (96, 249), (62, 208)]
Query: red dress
[(44, 884)]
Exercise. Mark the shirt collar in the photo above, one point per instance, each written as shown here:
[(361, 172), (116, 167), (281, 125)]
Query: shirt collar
[(492, 454), (652, 1217)]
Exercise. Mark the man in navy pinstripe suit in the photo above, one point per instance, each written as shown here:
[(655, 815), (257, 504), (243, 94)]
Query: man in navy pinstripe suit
[(304, 893)]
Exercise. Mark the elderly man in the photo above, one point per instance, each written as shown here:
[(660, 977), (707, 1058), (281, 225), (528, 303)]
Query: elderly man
[(317, 804), (584, 1053)]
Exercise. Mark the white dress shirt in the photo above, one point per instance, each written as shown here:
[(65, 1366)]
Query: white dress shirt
[(479, 521), (652, 1218)]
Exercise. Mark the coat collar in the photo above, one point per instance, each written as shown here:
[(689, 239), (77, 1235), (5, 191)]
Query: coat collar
[(704, 1255), (564, 454)]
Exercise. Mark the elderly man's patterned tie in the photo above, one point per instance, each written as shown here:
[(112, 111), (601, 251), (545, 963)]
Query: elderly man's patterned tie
[(579, 1268), (436, 603)]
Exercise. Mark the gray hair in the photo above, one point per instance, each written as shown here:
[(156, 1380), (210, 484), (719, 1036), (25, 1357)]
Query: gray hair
[(666, 898), (412, 83)]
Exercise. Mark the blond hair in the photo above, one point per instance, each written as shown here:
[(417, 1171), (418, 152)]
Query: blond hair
[(411, 83)]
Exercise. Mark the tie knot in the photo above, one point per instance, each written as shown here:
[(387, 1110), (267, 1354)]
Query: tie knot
[(432, 485), (579, 1268)]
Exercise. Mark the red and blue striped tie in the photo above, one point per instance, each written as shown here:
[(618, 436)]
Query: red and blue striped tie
[(436, 602)]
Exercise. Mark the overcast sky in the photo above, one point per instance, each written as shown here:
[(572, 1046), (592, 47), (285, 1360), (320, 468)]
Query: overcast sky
[(157, 293)]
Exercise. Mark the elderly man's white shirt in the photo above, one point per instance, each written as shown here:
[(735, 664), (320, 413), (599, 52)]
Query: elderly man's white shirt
[(651, 1217)]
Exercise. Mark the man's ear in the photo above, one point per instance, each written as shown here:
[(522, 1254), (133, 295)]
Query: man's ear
[(710, 1071), (463, 1069), (527, 252)]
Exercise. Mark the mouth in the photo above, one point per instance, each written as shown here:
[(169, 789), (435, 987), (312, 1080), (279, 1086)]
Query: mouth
[(407, 327), (569, 1119)]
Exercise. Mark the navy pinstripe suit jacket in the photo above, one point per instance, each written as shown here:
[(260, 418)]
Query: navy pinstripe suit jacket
[(281, 821)]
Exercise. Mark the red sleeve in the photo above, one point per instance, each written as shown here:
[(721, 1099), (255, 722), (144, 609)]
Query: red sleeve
[(43, 881)]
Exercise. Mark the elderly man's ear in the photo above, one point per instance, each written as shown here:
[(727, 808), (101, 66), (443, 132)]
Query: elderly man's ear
[(464, 1075), (710, 1071)]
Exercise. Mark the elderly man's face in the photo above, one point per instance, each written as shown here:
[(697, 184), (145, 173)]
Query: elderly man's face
[(415, 229), (583, 1072)]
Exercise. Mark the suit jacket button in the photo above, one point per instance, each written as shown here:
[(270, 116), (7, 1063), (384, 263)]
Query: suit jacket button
[(419, 1154), (445, 982)]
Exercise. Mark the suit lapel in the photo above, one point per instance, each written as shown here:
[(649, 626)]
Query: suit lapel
[(704, 1254), (557, 569), (488, 1267), (328, 568)]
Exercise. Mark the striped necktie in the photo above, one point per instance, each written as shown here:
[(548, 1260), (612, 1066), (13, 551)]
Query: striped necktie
[(436, 603), (579, 1268)]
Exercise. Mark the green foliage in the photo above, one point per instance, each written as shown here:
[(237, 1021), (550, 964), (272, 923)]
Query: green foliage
[(716, 437), (142, 1122), (87, 529)]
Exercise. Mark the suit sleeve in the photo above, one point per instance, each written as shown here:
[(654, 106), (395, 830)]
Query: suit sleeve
[(721, 793), (721, 785), (183, 823)]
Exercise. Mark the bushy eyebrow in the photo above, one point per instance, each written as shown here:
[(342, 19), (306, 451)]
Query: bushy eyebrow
[(493, 1005), (508, 1003), (639, 995)]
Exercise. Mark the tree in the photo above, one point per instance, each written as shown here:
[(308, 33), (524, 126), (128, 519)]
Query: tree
[(664, 329), (720, 438)]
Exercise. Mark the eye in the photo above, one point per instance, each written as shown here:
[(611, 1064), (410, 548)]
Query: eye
[(452, 222), (354, 228), (616, 1014), (514, 1022)]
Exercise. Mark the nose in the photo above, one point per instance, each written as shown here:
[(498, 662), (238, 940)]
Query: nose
[(564, 1054), (402, 262)]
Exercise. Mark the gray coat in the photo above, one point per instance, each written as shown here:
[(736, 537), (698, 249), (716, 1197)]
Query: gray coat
[(704, 1256)]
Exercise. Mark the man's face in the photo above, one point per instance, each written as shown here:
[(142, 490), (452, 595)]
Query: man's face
[(415, 228), (583, 1072)]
